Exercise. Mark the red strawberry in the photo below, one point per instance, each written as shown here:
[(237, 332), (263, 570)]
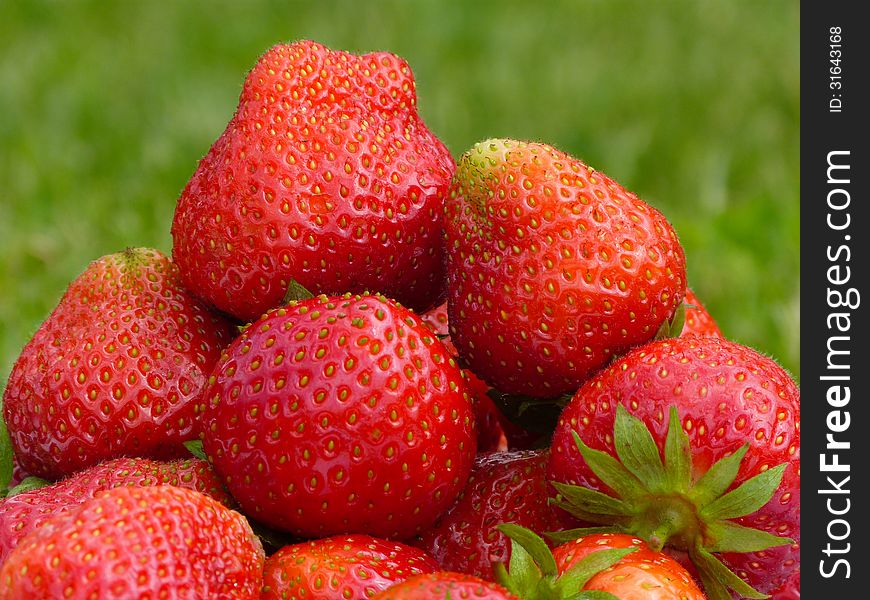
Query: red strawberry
[(718, 478), (22, 513), (327, 175), (351, 567), (114, 370), (138, 542), (444, 584), (554, 268), (340, 415), (504, 487), (641, 575), (698, 320)]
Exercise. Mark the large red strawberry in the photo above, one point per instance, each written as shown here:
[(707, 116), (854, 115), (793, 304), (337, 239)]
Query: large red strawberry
[(641, 575), (340, 415), (325, 175), (554, 268), (445, 584), (504, 487), (22, 513), (350, 567), (691, 443), (138, 542), (698, 321), (115, 369)]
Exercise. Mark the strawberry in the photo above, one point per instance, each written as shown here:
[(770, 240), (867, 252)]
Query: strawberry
[(340, 415), (691, 443), (115, 369), (138, 542), (553, 268), (504, 487), (22, 513), (351, 567), (698, 320), (641, 575), (325, 175), (445, 584)]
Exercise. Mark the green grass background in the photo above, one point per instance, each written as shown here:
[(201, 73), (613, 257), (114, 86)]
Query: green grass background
[(105, 108)]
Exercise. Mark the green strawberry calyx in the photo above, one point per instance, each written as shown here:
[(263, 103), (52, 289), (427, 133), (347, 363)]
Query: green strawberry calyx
[(673, 327), (195, 448), (661, 503), (532, 573), (296, 292), (28, 484)]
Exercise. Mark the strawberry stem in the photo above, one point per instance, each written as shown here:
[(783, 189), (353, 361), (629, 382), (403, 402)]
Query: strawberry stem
[(668, 520), (296, 292)]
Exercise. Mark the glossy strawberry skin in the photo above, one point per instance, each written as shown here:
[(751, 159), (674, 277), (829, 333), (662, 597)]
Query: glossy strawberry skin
[(504, 487), (24, 512), (553, 268), (340, 415), (641, 575), (727, 395), (138, 542), (444, 584), (326, 175), (698, 320), (115, 369), (351, 567)]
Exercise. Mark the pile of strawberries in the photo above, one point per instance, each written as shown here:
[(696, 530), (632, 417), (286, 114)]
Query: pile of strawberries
[(369, 371)]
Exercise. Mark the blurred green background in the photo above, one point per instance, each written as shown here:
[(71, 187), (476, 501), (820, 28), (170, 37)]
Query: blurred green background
[(105, 109)]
